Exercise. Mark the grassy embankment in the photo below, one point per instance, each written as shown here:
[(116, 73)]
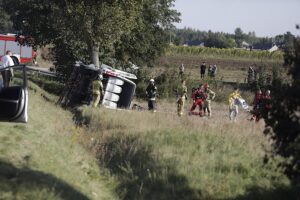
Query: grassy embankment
[(43, 160), (161, 156)]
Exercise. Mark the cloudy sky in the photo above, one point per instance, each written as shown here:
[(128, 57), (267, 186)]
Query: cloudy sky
[(265, 17)]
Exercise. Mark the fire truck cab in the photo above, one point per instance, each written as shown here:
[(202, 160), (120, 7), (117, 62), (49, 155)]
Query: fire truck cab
[(25, 54)]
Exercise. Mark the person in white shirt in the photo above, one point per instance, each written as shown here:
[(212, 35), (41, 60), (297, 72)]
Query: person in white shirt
[(8, 73)]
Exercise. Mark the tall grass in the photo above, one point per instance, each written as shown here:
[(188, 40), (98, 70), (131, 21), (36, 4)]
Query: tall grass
[(43, 160), (160, 155)]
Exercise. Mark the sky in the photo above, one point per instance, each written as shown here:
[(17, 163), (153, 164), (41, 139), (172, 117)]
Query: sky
[(267, 18)]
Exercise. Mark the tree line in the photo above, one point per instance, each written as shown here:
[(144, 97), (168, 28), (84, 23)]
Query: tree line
[(194, 37)]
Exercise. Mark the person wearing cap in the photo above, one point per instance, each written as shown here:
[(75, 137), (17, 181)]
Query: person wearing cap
[(7, 74), (151, 95), (233, 106), (181, 92), (98, 91), (209, 95)]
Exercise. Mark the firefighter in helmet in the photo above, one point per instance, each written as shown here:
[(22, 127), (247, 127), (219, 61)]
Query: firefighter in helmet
[(181, 93), (98, 91), (198, 97), (209, 95), (151, 95)]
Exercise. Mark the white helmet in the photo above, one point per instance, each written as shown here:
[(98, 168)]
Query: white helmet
[(152, 80), (100, 77)]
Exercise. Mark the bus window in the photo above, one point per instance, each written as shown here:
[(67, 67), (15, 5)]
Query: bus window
[(2, 45), (13, 47), (26, 52)]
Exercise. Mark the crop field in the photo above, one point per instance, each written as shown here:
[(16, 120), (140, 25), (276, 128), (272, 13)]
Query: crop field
[(232, 63), (226, 54)]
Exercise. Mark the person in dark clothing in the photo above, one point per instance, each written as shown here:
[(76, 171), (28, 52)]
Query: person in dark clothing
[(202, 70), (151, 95)]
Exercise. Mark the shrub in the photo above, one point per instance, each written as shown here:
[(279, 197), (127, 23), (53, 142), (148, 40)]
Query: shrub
[(283, 120)]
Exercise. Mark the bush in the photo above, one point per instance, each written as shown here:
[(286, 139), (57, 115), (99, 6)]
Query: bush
[(283, 120)]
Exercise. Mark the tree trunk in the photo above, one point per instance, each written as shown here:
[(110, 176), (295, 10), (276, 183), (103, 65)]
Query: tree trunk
[(95, 54)]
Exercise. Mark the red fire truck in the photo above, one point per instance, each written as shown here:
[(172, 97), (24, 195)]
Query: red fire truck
[(25, 54)]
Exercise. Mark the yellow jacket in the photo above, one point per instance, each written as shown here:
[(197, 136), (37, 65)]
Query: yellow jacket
[(97, 87), (232, 97)]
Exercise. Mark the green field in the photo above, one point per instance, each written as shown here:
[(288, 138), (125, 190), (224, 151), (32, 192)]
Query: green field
[(125, 154), (161, 156)]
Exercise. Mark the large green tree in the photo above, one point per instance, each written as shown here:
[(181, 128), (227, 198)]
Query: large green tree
[(150, 36), (89, 29), (96, 23), (239, 36)]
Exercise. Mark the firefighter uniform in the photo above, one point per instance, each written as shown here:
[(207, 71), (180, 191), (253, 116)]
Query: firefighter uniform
[(182, 91), (209, 95), (198, 98), (233, 107), (97, 91), (151, 94)]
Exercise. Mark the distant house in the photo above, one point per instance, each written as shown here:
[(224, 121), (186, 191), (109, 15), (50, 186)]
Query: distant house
[(245, 45), (274, 48), (201, 44)]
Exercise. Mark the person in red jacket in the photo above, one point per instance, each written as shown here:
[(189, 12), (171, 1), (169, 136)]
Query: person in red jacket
[(198, 97), (257, 103), (267, 101)]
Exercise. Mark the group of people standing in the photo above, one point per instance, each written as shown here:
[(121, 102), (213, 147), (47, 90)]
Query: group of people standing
[(202, 97), (211, 70), (262, 103)]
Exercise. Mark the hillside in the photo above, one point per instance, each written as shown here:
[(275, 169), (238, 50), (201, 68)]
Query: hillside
[(43, 159)]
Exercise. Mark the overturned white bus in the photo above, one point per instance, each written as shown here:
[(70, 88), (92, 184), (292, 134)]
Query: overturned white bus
[(119, 86)]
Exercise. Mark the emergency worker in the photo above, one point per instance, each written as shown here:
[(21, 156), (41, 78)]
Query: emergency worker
[(257, 106), (151, 95), (266, 102), (98, 91), (209, 96), (8, 73), (181, 92), (198, 97), (233, 105)]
